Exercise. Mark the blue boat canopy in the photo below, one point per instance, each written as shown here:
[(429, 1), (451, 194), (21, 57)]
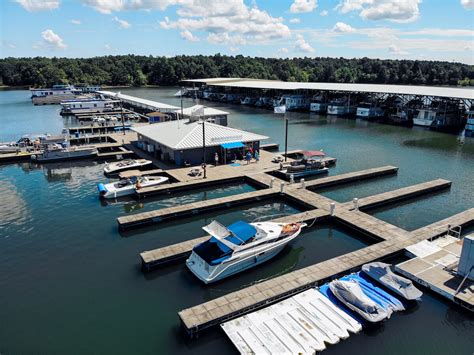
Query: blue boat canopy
[(232, 145), (242, 232)]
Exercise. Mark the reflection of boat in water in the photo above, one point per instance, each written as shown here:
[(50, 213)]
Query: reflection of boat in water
[(115, 167), (239, 247), (129, 186), (313, 163), (57, 152)]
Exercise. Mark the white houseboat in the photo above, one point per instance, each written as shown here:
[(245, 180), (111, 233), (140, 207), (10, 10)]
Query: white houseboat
[(367, 110), (341, 107), (318, 104), (72, 107)]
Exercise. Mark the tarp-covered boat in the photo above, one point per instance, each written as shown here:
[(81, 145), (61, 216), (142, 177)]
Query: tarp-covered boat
[(382, 273), (353, 297)]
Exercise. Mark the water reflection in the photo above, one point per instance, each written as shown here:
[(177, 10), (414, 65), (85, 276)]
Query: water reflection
[(14, 209)]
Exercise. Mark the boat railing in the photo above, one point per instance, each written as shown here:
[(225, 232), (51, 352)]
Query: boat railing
[(270, 217), (452, 231)]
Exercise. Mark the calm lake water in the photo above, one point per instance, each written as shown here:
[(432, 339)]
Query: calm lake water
[(71, 283)]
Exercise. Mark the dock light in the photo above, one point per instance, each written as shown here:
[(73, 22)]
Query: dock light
[(303, 184), (332, 208), (356, 203), (272, 181), (282, 186), (292, 179)]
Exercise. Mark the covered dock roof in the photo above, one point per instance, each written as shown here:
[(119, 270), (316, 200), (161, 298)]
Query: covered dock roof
[(201, 111), (438, 91), (137, 101)]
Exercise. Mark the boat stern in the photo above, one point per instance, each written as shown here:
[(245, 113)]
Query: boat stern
[(200, 268)]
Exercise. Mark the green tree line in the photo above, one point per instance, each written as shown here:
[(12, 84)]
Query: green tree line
[(133, 70)]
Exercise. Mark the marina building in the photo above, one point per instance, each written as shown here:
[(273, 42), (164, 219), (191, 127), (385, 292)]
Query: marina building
[(181, 141)]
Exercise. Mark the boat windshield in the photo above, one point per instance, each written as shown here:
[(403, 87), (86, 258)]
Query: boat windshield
[(213, 251)]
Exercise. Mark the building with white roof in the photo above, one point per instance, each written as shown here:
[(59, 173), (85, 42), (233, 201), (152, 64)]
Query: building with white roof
[(181, 141), (197, 112)]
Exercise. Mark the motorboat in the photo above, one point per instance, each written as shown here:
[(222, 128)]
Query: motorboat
[(353, 297), (118, 166), (239, 247), (129, 186), (312, 163), (383, 274), (58, 152)]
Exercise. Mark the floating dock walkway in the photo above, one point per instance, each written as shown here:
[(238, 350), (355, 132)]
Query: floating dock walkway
[(234, 304)]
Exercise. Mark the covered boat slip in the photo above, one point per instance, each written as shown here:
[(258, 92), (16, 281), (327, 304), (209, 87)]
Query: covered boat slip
[(302, 324)]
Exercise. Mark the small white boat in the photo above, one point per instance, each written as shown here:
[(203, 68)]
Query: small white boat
[(129, 186), (382, 273), (239, 247), (118, 166), (57, 152), (351, 295)]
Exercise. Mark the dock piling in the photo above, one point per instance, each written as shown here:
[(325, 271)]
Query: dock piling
[(303, 184)]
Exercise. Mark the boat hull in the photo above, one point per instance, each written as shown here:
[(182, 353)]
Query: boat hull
[(54, 157), (237, 266)]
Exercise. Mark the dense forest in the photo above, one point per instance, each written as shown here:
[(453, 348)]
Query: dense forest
[(132, 70)]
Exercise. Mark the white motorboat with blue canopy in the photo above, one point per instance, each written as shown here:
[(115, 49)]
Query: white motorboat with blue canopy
[(127, 164), (239, 247)]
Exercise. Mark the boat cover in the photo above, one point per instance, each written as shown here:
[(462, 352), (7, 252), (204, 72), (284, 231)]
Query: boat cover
[(382, 273), (385, 300), (351, 294)]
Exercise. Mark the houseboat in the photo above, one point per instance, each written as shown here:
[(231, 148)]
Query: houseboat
[(367, 110), (469, 130), (341, 107), (318, 104), (73, 107), (439, 117)]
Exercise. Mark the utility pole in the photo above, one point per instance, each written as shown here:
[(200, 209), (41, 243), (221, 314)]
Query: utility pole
[(286, 138), (204, 148), (182, 114)]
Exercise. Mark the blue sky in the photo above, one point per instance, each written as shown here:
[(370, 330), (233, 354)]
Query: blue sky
[(398, 29)]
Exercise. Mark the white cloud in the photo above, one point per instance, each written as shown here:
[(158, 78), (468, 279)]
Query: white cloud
[(51, 41), (122, 23), (108, 47), (295, 20), (8, 44), (234, 49), (342, 27), (76, 22), (39, 5), (283, 50), (324, 13), (302, 45), (109, 6), (299, 6), (188, 36), (392, 10), (395, 50), (228, 22), (468, 4)]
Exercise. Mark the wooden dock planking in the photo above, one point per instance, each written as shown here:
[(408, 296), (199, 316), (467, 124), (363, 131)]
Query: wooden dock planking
[(195, 208), (350, 177), (400, 194)]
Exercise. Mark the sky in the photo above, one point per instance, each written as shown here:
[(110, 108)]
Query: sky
[(394, 29)]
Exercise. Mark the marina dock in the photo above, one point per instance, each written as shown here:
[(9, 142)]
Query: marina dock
[(157, 257)]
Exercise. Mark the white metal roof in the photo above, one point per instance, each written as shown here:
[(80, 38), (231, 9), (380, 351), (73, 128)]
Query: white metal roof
[(212, 80), (439, 91), (148, 104), (183, 134), (207, 111)]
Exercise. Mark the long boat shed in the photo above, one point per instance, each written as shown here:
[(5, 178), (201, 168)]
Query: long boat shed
[(464, 94), (144, 105)]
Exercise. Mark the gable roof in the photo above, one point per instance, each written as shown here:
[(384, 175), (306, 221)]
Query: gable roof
[(184, 134)]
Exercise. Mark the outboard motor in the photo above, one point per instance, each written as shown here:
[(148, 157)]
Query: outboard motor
[(102, 189)]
